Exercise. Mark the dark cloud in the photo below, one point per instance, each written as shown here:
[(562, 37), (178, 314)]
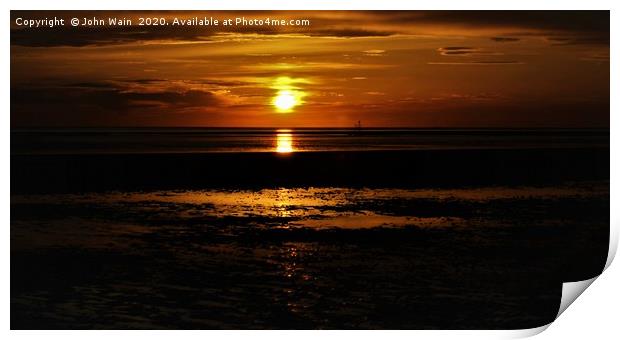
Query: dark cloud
[(350, 33), (91, 85), (581, 27), (144, 81), (466, 51), (78, 37), (505, 39), (207, 82), (456, 50), (578, 40), (599, 57), (83, 103), (223, 83), (573, 21), (587, 26), (499, 113), (115, 35), (479, 62)]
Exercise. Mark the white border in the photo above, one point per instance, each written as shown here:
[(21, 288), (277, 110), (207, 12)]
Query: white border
[(597, 310)]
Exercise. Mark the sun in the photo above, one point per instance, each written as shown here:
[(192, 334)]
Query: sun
[(288, 95), (285, 100)]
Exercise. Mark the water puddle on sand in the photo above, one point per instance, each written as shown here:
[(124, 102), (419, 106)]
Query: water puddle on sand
[(319, 196), (311, 207), (369, 219)]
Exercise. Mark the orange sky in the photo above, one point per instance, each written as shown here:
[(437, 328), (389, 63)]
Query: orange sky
[(393, 69)]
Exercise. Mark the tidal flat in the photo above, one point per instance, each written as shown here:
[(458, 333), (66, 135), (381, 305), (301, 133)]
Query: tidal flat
[(304, 257)]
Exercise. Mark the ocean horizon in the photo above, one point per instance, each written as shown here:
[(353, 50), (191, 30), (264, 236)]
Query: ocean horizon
[(215, 140)]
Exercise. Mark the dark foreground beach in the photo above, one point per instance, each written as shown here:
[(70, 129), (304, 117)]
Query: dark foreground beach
[(453, 239), (397, 169)]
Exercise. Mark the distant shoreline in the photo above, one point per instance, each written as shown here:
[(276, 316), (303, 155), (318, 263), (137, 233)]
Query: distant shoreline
[(272, 129)]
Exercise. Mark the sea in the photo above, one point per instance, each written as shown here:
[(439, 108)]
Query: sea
[(210, 140)]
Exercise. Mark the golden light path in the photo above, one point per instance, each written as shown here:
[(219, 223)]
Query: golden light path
[(284, 141), (287, 97)]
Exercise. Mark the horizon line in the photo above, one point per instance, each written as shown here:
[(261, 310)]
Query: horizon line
[(317, 127)]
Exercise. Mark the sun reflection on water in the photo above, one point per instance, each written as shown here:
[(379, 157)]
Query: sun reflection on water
[(284, 141)]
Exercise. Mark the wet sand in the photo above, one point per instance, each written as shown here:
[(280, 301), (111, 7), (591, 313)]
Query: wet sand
[(394, 169), (319, 257), (452, 239)]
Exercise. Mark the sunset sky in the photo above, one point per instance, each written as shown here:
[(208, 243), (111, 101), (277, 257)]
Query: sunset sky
[(391, 69)]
